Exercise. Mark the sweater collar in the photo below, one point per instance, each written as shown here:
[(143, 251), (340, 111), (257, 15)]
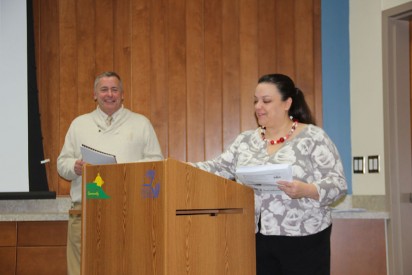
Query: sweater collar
[(104, 116)]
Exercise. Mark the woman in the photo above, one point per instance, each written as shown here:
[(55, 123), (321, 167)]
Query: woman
[(293, 227)]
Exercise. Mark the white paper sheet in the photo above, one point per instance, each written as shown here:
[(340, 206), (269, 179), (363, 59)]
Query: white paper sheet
[(264, 177)]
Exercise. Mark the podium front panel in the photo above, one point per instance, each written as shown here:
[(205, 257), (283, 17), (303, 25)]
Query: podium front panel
[(137, 220)]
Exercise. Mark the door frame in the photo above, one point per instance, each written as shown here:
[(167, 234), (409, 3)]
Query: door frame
[(397, 136)]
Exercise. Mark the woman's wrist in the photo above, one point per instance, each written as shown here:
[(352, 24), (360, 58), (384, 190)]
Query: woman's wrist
[(313, 191)]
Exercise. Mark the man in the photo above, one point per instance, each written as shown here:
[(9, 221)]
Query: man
[(110, 128)]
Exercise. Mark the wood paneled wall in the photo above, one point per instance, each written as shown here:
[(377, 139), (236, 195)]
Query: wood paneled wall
[(190, 66)]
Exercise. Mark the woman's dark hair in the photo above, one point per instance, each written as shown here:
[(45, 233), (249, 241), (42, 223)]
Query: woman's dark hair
[(299, 108)]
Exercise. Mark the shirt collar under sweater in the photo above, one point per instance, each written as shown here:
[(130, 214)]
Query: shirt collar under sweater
[(104, 116), (99, 117)]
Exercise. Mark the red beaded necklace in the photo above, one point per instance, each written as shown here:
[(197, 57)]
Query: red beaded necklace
[(282, 139)]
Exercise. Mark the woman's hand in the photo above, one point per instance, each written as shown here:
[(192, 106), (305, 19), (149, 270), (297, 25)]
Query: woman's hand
[(298, 189), (78, 167)]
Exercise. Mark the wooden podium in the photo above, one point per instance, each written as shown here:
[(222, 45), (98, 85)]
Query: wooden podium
[(165, 217)]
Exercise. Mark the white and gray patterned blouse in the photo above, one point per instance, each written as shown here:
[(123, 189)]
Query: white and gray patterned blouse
[(314, 159)]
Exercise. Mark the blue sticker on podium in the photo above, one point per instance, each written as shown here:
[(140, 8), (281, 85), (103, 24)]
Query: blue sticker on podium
[(151, 189)]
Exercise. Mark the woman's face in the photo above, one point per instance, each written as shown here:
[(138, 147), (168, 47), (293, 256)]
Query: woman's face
[(109, 95), (270, 110)]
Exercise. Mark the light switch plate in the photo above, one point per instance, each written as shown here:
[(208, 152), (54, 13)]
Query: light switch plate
[(373, 164), (358, 165)]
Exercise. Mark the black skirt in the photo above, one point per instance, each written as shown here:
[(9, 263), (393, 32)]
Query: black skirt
[(290, 255)]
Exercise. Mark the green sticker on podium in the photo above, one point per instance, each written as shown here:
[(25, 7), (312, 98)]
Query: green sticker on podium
[(94, 189)]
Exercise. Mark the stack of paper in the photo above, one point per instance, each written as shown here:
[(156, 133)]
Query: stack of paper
[(264, 177)]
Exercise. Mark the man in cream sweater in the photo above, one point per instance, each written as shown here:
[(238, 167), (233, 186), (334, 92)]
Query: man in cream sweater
[(110, 128)]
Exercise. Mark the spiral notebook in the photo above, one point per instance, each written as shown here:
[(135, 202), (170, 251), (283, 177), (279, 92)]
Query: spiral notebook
[(94, 156)]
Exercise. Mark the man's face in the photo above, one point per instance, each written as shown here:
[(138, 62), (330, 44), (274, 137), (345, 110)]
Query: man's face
[(109, 95)]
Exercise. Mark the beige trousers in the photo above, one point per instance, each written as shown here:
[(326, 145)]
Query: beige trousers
[(73, 243)]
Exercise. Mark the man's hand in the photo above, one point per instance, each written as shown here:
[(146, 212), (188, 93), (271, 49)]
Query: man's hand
[(78, 167)]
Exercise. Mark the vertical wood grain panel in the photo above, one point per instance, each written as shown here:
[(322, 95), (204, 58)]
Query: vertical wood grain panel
[(140, 58), (177, 78), (248, 62), (68, 64), (86, 55), (267, 37), (285, 37), (304, 78), (158, 73), (104, 36), (190, 66), (213, 79), (195, 80), (230, 49)]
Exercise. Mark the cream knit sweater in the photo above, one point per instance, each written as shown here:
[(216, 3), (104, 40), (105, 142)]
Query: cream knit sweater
[(130, 137)]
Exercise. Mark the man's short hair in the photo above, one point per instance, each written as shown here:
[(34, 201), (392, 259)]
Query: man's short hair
[(107, 74)]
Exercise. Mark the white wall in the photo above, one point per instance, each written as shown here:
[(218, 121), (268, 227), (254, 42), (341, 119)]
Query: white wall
[(366, 89), (387, 4)]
